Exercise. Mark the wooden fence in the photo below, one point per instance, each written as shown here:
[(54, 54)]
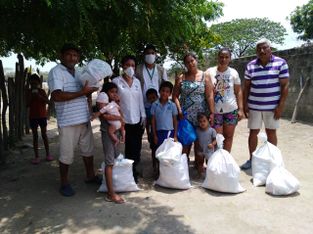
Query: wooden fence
[(13, 108)]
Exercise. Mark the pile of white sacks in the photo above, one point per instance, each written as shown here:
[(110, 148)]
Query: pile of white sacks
[(222, 173), (268, 169)]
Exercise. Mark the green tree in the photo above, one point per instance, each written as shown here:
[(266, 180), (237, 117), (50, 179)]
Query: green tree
[(107, 29), (240, 35), (301, 20)]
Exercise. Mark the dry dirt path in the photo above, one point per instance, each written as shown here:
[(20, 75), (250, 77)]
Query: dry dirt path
[(30, 202)]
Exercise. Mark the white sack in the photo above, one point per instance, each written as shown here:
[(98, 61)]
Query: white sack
[(264, 159), (222, 173), (95, 71), (123, 180), (281, 182), (174, 174), (169, 151)]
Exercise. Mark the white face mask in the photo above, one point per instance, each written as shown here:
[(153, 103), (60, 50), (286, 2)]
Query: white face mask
[(129, 71), (150, 58)]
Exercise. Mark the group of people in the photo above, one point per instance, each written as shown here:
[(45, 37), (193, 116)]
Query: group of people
[(142, 98)]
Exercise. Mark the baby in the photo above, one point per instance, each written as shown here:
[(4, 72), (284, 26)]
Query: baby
[(111, 108)]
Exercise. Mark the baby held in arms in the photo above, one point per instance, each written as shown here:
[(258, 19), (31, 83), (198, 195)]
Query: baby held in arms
[(109, 105)]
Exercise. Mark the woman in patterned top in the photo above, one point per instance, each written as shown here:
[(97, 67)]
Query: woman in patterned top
[(193, 93)]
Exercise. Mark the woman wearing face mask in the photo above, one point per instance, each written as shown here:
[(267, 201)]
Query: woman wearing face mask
[(193, 93), (132, 107)]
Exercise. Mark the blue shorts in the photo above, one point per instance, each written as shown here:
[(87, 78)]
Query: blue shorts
[(162, 135), (42, 122)]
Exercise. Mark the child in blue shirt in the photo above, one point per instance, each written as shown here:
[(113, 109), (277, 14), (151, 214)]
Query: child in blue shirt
[(164, 115), (152, 96)]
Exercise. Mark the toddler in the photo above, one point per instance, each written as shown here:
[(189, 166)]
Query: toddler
[(111, 108), (206, 140)]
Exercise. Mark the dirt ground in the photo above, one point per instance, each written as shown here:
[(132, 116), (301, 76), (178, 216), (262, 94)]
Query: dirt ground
[(30, 201)]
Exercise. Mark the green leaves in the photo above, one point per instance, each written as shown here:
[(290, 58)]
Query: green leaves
[(301, 20), (240, 35), (105, 28)]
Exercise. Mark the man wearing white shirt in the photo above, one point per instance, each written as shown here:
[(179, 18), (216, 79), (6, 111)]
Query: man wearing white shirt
[(150, 74), (73, 115)]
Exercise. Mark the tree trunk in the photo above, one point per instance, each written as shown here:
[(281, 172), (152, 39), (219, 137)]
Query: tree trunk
[(295, 111), (5, 103), (12, 125)]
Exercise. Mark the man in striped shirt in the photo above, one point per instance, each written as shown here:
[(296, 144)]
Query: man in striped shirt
[(73, 115), (265, 92)]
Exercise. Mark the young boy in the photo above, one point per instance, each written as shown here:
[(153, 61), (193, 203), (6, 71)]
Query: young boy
[(206, 141), (164, 115), (152, 96), (36, 101)]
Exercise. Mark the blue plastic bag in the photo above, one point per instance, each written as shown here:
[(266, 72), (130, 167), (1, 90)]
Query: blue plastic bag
[(186, 133)]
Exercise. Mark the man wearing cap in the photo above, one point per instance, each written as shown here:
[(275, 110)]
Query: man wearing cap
[(149, 73), (73, 115), (265, 92)]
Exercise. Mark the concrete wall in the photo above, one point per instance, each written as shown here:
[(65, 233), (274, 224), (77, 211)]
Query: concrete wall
[(300, 61)]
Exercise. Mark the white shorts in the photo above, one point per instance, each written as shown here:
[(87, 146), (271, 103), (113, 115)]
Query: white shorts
[(72, 136), (256, 118)]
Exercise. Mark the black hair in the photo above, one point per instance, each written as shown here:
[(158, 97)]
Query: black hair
[(151, 91), (166, 84), (34, 77), (228, 50), (149, 47), (128, 57), (190, 54), (70, 46), (201, 115), (108, 86)]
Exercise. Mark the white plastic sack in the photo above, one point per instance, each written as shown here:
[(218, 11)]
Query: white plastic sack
[(122, 174), (169, 151), (95, 71), (264, 159), (222, 173), (281, 182), (174, 174)]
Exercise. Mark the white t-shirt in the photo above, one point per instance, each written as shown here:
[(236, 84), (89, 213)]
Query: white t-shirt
[(71, 112), (131, 100), (151, 81), (224, 89)]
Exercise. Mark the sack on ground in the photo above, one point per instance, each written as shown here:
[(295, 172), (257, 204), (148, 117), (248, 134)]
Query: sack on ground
[(95, 71), (222, 173), (264, 159), (169, 151), (186, 133), (174, 174), (122, 174), (281, 182)]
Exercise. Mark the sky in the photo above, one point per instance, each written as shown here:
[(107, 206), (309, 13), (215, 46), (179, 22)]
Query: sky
[(275, 10)]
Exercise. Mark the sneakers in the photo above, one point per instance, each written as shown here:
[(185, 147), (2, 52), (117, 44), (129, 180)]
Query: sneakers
[(246, 165), (66, 190)]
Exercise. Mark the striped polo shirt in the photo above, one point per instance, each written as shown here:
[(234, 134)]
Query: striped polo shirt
[(265, 86), (70, 112)]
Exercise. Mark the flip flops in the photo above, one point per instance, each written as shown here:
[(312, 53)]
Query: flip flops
[(116, 201), (94, 180), (35, 161), (66, 190), (49, 158)]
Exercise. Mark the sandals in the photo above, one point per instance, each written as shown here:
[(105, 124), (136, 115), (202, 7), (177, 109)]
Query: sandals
[(67, 190), (116, 201), (49, 158), (94, 180)]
